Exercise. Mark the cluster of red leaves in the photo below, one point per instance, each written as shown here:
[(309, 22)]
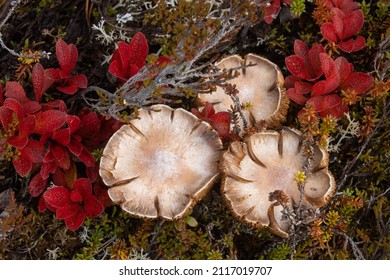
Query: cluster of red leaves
[(347, 20), (317, 79), (272, 9), (43, 140), (219, 121), (129, 58)]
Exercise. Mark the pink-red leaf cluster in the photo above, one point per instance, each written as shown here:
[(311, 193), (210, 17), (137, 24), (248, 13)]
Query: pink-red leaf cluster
[(73, 205), (318, 79), (129, 58), (219, 121)]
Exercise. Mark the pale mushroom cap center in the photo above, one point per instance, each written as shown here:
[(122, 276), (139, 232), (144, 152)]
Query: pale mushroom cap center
[(161, 164)]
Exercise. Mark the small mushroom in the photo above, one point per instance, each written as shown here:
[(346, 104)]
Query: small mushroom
[(261, 85), (161, 164), (267, 162)]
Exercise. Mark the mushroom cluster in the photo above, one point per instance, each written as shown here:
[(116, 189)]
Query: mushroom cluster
[(161, 164), (266, 162), (260, 84)]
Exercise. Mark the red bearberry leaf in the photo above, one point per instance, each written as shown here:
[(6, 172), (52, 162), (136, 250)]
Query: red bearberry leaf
[(57, 197), (26, 127), (62, 136), (315, 62), (115, 69), (296, 65), (22, 165), (139, 50), (301, 49), (47, 169), (67, 211), (68, 89), (83, 186), (67, 56), (37, 185), (41, 205), (73, 123), (329, 32), (296, 97), (49, 121), (329, 105), (86, 157), (90, 124), (80, 81), (353, 23), (208, 110), (75, 221), (41, 80), (58, 152), (302, 87), (352, 45), (92, 207), (15, 91), (344, 68), (34, 150), (358, 82), (75, 147)]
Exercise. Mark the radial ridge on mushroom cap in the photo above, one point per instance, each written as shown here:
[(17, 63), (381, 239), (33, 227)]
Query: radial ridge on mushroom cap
[(161, 164), (260, 84), (267, 162)]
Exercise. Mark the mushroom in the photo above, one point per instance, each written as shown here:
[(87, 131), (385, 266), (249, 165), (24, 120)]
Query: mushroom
[(266, 162), (261, 84), (161, 164)]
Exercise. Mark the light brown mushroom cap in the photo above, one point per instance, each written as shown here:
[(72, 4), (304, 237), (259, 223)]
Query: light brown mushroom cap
[(262, 85), (266, 162), (161, 164)]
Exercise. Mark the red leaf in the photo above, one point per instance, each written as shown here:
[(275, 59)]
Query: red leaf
[(90, 124), (86, 157), (67, 89), (139, 50), (296, 97), (67, 57), (62, 136), (329, 32), (22, 165), (327, 64), (34, 151), (358, 82), (296, 65), (41, 80), (25, 128), (49, 121), (47, 169), (314, 61), (83, 186), (6, 117), (14, 90), (74, 222), (301, 49), (353, 24), (67, 211), (37, 185), (208, 110), (57, 196), (115, 69), (303, 87), (352, 45), (75, 146), (79, 81), (329, 105), (92, 207), (41, 205), (344, 68), (58, 152), (73, 123)]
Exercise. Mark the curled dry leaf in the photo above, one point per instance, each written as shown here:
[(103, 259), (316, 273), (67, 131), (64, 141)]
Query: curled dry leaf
[(267, 162), (161, 164), (261, 84)]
